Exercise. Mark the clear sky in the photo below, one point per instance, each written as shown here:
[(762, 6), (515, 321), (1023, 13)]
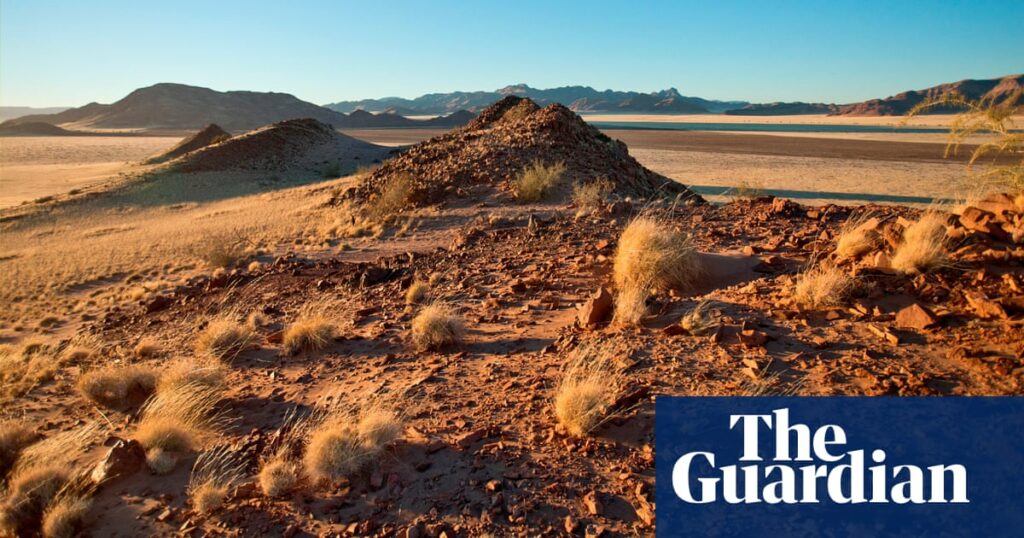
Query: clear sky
[(56, 52)]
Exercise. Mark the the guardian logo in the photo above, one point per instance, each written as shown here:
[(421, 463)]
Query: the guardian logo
[(806, 466)]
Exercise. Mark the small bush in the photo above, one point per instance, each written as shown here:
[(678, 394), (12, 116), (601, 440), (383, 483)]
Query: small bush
[(535, 181), (857, 237), (436, 327), (64, 516), (14, 437), (278, 477), (215, 472), (594, 194), (117, 386), (651, 252), (332, 170), (587, 388), (822, 287), (346, 440), (29, 491), (923, 247), (312, 331), (205, 371), (224, 337), (395, 195), (25, 369), (177, 421), (416, 292)]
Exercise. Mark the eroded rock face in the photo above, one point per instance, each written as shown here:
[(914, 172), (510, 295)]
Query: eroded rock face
[(507, 137), (125, 457)]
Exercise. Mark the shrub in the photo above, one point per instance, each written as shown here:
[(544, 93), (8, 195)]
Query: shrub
[(29, 491), (176, 421), (651, 253), (224, 337), (822, 287), (436, 327), (118, 385), (535, 181), (395, 194), (416, 292), (594, 194), (65, 514), (698, 320), (311, 331), (345, 440), (923, 247), (215, 472), (587, 388)]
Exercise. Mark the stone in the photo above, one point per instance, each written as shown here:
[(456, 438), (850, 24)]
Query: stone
[(975, 219), (125, 457), (1000, 205), (596, 309), (984, 307), (752, 338), (915, 316), (593, 505), (158, 303)]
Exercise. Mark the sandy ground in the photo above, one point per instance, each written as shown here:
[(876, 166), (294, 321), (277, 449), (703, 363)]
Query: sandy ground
[(36, 167), (938, 120)]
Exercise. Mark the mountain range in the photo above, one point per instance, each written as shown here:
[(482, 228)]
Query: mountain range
[(180, 107), (587, 99)]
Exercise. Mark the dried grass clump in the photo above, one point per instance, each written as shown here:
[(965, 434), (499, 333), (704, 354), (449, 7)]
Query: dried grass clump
[(346, 439), (147, 348), (311, 331), (177, 421), (588, 387), (213, 476), (15, 436), (698, 320), (535, 181), (822, 287), (923, 248), (436, 326), (652, 252), (416, 292), (22, 370), (205, 371), (281, 469), (28, 493), (224, 337), (592, 195), (393, 197), (278, 477), (64, 516), (221, 249), (857, 237), (631, 303), (117, 386)]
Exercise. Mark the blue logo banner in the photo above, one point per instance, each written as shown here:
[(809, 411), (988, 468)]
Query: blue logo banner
[(839, 466)]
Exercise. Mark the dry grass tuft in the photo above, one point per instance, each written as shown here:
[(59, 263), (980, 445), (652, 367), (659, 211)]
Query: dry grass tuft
[(923, 248), (392, 199), (64, 516), (587, 388), (177, 421), (822, 287), (535, 181), (592, 195), (21, 370), (29, 491), (652, 252), (213, 476), (857, 237), (117, 386), (224, 337), (311, 331), (15, 436), (417, 292), (698, 320), (631, 303), (346, 439), (436, 327), (221, 249), (278, 477), (205, 371)]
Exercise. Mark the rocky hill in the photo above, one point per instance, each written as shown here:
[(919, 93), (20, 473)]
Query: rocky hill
[(901, 103), (212, 134), (34, 128), (303, 144), (577, 98), (503, 140), (178, 106), (783, 109)]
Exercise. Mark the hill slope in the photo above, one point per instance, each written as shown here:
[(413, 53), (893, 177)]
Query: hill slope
[(901, 103), (178, 106), (507, 137), (212, 134)]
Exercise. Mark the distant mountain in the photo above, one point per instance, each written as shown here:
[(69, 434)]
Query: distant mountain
[(901, 103), (181, 107), (34, 128), (9, 112), (783, 109), (577, 98)]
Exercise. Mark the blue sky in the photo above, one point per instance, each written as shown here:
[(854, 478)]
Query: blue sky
[(55, 52)]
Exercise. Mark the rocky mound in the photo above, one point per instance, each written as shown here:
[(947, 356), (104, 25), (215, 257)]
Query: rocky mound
[(288, 145), (35, 128), (212, 134), (503, 140)]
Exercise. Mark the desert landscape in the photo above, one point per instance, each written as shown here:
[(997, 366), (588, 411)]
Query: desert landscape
[(240, 313)]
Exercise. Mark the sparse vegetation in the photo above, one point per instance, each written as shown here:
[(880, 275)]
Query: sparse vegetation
[(64, 515), (857, 237), (988, 117), (176, 421), (393, 198), (822, 287), (587, 388), (417, 292), (29, 491), (14, 437), (215, 472), (221, 249), (436, 326), (593, 194), (117, 386), (147, 348), (310, 332), (535, 181), (278, 477), (923, 247), (346, 440), (205, 371), (224, 337), (21, 370), (698, 320)]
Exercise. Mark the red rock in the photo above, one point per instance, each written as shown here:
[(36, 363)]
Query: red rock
[(752, 338), (124, 458), (596, 309), (593, 504), (975, 219), (1000, 205), (915, 316), (571, 525), (983, 306), (674, 330)]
